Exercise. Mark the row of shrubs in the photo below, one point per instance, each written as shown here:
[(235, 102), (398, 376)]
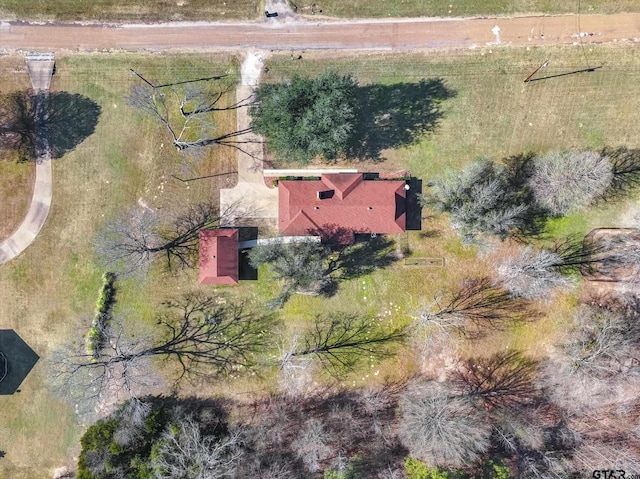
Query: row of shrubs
[(104, 308)]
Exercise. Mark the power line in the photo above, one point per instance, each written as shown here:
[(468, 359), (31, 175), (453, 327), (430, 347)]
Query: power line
[(580, 37)]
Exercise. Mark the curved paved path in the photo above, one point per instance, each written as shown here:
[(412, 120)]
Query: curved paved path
[(296, 34), (43, 189)]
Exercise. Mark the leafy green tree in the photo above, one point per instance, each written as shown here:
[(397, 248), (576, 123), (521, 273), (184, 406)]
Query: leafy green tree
[(490, 470), (119, 446), (303, 118)]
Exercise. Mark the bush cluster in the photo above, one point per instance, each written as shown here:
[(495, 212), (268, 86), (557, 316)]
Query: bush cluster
[(104, 308)]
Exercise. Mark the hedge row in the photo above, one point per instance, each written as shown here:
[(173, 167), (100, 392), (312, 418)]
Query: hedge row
[(104, 307)]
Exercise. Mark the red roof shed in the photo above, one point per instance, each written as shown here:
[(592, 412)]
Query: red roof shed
[(218, 256), (339, 205)]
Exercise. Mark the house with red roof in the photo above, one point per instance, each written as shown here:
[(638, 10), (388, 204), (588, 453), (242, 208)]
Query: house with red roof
[(218, 256), (338, 206)]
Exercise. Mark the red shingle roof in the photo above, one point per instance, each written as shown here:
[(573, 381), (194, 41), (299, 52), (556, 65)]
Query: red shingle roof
[(350, 204), (219, 256)]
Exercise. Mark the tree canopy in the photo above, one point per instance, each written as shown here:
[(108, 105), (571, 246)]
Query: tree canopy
[(485, 198), (567, 181), (306, 117), (27, 118)]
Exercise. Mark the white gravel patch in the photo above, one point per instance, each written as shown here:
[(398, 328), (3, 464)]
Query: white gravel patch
[(252, 68)]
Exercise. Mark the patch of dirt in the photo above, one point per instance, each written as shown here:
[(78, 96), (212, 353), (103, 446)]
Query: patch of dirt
[(252, 68), (286, 13)]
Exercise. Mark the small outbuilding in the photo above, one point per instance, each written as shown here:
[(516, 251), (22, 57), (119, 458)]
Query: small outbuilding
[(219, 257), (16, 361)]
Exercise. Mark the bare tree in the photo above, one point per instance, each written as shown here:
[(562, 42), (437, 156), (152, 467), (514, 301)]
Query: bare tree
[(296, 372), (597, 455), (619, 255), (203, 335), (441, 427), (477, 306), (95, 383), (312, 445), (342, 340), (187, 112), (539, 451), (183, 451), (566, 181), (598, 357), (499, 381), (137, 238), (625, 166), (533, 273)]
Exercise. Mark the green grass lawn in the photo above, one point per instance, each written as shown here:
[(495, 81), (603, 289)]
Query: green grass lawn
[(130, 10), (53, 285), (459, 8), (491, 111), (176, 10)]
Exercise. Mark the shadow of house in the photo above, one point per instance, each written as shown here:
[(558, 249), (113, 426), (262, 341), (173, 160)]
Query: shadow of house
[(391, 116), (413, 205), (16, 361), (246, 271)]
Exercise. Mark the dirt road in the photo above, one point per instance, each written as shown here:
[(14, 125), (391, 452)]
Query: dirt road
[(305, 34)]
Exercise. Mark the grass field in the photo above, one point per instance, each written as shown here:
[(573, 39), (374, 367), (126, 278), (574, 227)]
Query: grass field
[(491, 112), (16, 187), (16, 179), (198, 10), (460, 8), (130, 10), (47, 290)]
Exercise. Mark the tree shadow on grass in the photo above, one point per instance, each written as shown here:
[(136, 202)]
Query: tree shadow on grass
[(364, 257), (391, 116), (71, 119)]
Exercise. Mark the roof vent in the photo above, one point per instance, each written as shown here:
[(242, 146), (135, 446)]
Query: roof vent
[(325, 194)]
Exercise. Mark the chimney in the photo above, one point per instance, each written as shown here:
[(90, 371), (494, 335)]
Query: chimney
[(325, 194)]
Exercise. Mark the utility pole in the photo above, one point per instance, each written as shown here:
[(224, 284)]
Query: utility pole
[(526, 80), (141, 77)]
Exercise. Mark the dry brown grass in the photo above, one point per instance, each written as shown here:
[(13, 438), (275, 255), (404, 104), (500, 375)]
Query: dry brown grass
[(16, 188), (16, 179), (131, 10)]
